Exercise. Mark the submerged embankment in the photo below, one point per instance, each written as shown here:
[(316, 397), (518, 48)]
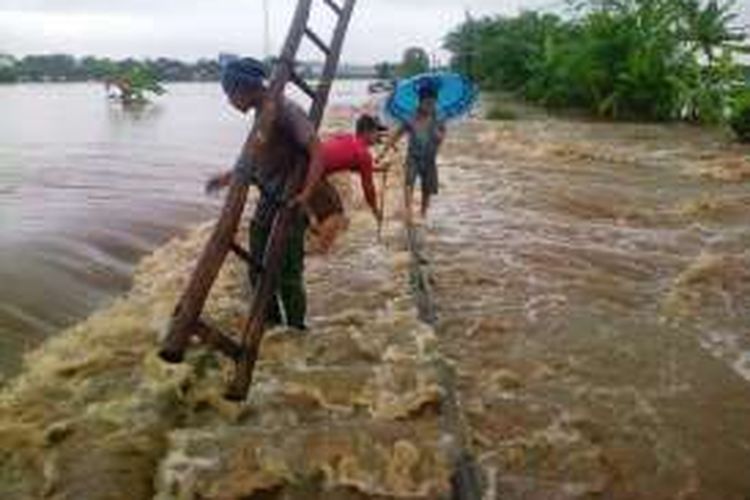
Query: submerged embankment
[(347, 411), (592, 285)]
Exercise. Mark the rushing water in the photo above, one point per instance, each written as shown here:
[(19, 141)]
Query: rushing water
[(87, 188), (593, 281), (593, 292)]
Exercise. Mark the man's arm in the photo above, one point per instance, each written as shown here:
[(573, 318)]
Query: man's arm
[(303, 132), (315, 171), (441, 133), (391, 142), (366, 169), (242, 168)]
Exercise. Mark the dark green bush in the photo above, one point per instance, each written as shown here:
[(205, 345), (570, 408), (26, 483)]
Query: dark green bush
[(740, 118), (498, 112)]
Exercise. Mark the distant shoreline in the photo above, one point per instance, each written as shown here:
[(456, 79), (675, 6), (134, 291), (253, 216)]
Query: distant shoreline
[(165, 82)]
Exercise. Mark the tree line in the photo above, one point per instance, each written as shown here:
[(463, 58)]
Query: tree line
[(67, 68), (621, 59), (63, 67)]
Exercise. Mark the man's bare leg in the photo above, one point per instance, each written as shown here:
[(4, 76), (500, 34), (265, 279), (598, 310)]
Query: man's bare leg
[(408, 201), (425, 204)]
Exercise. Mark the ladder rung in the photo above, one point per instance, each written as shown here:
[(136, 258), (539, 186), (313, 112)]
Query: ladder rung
[(317, 41), (333, 5), (302, 84), (240, 252), (213, 337)]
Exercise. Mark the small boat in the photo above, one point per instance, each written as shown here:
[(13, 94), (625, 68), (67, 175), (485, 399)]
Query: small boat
[(381, 86)]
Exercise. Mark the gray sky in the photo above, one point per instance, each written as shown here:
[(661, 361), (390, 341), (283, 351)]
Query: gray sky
[(188, 29)]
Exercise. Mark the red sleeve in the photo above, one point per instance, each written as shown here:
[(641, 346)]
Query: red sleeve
[(366, 167)]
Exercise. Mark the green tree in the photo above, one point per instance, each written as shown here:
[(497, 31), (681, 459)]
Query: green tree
[(710, 26), (502, 52), (55, 67), (385, 70), (97, 69), (135, 82), (740, 117), (8, 70), (652, 59), (415, 61)]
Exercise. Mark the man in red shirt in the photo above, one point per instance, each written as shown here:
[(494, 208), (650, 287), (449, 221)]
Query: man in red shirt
[(351, 152), (339, 153)]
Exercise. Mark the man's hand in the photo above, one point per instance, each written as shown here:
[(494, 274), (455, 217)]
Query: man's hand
[(385, 156), (218, 182), (299, 200)]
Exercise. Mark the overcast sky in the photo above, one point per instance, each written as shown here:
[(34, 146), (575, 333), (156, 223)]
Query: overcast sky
[(189, 29)]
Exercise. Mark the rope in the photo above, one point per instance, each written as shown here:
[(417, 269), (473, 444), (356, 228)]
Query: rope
[(466, 480)]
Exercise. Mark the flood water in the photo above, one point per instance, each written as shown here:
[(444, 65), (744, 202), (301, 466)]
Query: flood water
[(87, 188), (593, 282)]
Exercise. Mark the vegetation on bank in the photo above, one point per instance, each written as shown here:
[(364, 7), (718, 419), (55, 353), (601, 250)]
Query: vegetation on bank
[(415, 60), (66, 68), (621, 59), (739, 119)]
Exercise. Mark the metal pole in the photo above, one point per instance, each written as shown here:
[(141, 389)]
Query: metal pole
[(266, 30)]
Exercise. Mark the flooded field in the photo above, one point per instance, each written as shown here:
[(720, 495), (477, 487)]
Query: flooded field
[(592, 285)]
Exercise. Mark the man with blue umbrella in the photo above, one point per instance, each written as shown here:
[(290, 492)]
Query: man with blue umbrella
[(426, 135), (422, 105)]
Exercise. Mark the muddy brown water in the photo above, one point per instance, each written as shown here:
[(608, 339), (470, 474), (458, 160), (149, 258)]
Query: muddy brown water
[(88, 188), (593, 288)]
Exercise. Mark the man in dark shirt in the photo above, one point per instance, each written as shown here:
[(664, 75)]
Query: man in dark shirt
[(289, 149), (341, 152)]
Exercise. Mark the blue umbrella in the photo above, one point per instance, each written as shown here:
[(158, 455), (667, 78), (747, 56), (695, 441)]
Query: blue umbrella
[(456, 95)]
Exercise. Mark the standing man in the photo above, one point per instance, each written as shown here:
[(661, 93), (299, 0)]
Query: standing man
[(290, 148), (426, 134)]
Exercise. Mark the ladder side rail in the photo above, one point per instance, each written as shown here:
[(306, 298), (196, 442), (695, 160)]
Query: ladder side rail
[(332, 62)]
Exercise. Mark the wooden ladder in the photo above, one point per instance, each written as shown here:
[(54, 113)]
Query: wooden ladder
[(186, 320)]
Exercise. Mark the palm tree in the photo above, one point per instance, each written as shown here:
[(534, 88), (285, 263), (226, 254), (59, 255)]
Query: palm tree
[(711, 28)]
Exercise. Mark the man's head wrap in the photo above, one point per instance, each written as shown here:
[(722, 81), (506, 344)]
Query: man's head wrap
[(243, 75)]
